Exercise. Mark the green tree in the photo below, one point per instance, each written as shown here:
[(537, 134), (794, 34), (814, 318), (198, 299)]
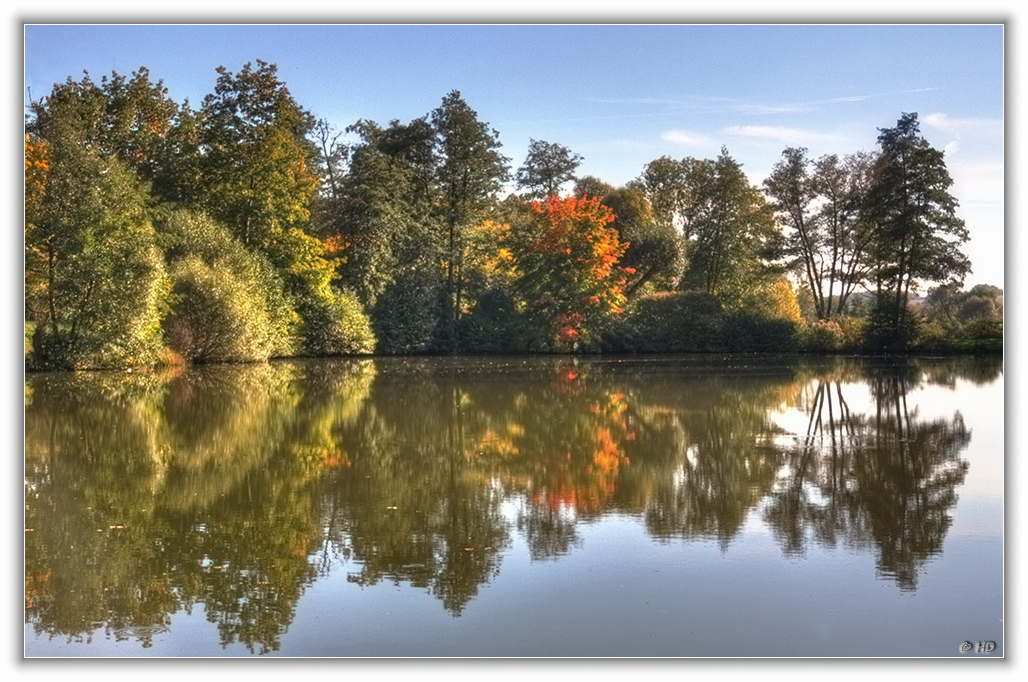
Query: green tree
[(734, 238), (95, 281), (976, 314), (470, 171), (259, 171), (130, 119), (820, 202), (389, 232), (664, 183), (258, 165), (917, 233), (547, 167), (380, 203)]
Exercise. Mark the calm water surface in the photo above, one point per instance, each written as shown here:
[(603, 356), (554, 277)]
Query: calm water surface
[(689, 506)]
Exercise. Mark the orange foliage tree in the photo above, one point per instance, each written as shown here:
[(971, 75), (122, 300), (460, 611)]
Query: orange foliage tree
[(568, 267), (37, 164)]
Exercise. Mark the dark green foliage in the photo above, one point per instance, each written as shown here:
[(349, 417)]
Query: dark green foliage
[(668, 322), (329, 325), (664, 183), (406, 316), (917, 234), (335, 325), (392, 242), (547, 167), (129, 119), (889, 331), (384, 201), (685, 322), (496, 326), (747, 330)]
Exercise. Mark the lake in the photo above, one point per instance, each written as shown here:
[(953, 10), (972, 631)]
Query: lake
[(693, 506)]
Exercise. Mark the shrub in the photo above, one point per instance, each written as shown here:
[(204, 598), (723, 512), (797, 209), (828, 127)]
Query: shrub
[(406, 315), (690, 322), (853, 330), (750, 331), (668, 322), (215, 316), (775, 299), (496, 326), (335, 324), (188, 235), (824, 335)]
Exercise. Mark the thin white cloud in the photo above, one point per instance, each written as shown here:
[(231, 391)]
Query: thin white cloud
[(964, 127), (724, 104), (793, 136), (686, 138)]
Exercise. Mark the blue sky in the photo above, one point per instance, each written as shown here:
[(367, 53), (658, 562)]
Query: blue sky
[(619, 95)]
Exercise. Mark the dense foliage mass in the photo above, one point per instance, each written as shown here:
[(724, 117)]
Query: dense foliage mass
[(247, 229)]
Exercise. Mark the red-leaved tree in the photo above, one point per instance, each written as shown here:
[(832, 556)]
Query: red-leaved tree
[(568, 267)]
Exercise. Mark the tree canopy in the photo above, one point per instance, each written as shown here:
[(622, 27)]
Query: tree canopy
[(547, 167), (247, 229), (917, 233)]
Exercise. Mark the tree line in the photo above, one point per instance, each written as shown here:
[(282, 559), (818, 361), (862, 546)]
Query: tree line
[(246, 228)]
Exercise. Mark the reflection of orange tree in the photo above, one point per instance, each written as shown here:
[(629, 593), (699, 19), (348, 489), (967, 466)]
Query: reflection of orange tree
[(580, 476), (698, 445), (570, 454), (592, 440)]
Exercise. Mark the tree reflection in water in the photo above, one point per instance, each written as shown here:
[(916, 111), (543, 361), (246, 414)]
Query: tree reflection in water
[(234, 488), (885, 480)]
